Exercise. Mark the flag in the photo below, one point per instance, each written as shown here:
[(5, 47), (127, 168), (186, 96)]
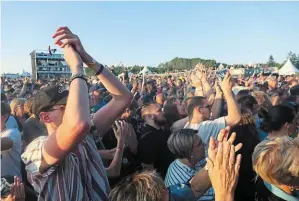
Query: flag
[(50, 50)]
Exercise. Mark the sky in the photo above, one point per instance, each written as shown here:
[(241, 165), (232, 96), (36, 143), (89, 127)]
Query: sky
[(148, 33)]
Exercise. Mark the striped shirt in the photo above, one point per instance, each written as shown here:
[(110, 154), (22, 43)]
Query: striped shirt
[(179, 173), (79, 176)]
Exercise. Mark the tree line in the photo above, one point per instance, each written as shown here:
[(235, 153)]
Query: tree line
[(182, 64)]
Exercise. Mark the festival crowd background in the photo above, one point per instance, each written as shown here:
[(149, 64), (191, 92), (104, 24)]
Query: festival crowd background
[(193, 135)]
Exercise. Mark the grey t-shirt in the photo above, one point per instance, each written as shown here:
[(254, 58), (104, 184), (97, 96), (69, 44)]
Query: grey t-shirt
[(207, 129), (11, 159)]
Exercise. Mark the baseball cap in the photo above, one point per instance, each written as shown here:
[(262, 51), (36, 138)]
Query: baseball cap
[(47, 97)]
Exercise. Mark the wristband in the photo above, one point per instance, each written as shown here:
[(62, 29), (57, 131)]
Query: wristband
[(100, 70), (78, 75)]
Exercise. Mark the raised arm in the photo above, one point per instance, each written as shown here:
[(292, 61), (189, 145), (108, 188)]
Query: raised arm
[(105, 117), (121, 98), (121, 131), (217, 105), (75, 123), (24, 89), (234, 114)]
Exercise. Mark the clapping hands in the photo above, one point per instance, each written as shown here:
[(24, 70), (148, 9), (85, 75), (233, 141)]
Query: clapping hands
[(17, 191), (121, 131), (72, 46), (223, 166)]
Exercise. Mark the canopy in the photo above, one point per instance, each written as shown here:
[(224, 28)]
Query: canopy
[(145, 70), (288, 69), (25, 74), (220, 67)]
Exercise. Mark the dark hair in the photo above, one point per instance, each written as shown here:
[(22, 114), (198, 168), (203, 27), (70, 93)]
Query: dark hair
[(276, 117), (247, 102), (3, 97), (195, 101), (5, 109), (170, 110), (242, 93)]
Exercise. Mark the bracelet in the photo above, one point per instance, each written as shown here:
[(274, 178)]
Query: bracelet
[(78, 75), (100, 70)]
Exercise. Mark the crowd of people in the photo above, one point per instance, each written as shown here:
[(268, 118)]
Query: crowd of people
[(180, 137)]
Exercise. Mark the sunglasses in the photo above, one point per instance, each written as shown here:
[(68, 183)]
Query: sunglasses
[(62, 107), (206, 106)]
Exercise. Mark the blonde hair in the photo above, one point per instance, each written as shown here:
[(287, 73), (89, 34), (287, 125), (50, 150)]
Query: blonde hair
[(262, 99), (145, 186), (276, 161), (14, 103), (28, 105)]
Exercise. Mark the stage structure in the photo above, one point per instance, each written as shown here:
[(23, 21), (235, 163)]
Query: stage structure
[(48, 64)]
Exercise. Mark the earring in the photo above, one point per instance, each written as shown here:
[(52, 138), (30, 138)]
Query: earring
[(292, 188), (191, 156)]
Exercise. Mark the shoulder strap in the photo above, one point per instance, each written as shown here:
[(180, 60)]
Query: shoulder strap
[(280, 193)]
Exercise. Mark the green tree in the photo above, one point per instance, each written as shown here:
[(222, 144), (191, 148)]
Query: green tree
[(294, 59), (271, 61)]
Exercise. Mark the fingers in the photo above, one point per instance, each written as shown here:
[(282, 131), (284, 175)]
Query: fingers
[(232, 138), (238, 164), (221, 135), (17, 186), (226, 154), (232, 157), (117, 124), (61, 30), (22, 190), (12, 190), (211, 150), (238, 147), (67, 42), (61, 37), (114, 128), (226, 134), (210, 164), (219, 155)]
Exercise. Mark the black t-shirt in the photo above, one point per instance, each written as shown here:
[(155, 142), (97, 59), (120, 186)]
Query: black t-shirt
[(130, 163), (152, 149), (248, 136)]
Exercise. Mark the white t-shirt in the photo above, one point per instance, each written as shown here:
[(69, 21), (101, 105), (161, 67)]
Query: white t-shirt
[(11, 123), (207, 129), (11, 159)]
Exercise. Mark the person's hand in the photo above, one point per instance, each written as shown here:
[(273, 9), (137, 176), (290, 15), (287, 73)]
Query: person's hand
[(63, 36), (218, 90), (224, 171), (72, 58), (222, 167), (17, 191), (227, 83), (195, 78), (121, 131), (222, 137)]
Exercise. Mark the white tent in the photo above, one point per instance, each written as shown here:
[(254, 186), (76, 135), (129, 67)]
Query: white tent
[(145, 70), (288, 69), (25, 74), (220, 67)]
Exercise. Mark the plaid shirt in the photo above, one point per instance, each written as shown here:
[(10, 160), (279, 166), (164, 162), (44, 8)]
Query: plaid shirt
[(79, 176)]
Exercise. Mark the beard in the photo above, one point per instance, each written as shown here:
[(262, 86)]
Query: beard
[(160, 122)]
